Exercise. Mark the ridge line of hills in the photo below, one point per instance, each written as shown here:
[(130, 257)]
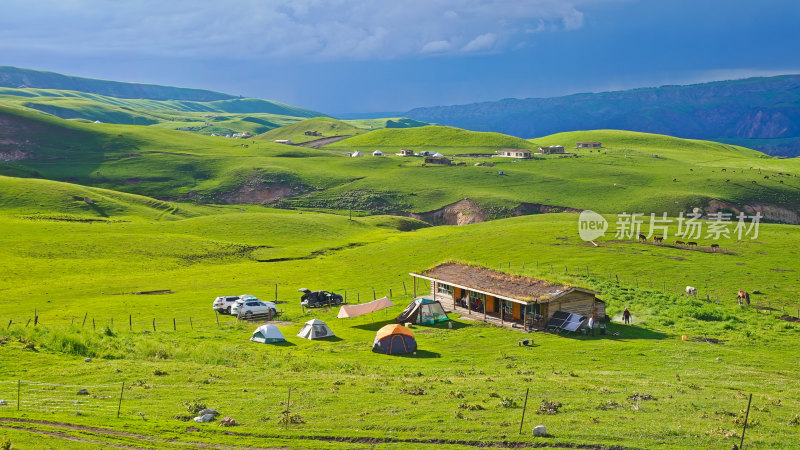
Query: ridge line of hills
[(760, 112)]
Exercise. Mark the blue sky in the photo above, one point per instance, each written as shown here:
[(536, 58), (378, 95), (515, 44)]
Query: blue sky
[(341, 56)]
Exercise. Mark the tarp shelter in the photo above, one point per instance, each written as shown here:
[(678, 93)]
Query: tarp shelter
[(355, 154), (423, 311), (315, 329), (267, 334), (365, 308), (394, 340)]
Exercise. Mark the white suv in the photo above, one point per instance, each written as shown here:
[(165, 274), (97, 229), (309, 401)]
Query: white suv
[(253, 306), (223, 304)]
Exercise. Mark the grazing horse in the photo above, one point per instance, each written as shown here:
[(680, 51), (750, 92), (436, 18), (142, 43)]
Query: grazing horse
[(658, 239), (642, 237), (743, 295), (680, 243), (691, 291), (714, 247), (691, 244)]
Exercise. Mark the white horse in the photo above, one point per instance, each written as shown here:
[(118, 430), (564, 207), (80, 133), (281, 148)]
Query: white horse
[(691, 291)]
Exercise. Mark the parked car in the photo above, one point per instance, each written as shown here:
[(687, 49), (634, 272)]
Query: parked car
[(316, 299), (224, 303), (252, 307)]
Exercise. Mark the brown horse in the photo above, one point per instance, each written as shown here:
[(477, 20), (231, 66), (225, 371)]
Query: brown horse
[(680, 243), (743, 295), (642, 237), (658, 239), (691, 244), (714, 247)]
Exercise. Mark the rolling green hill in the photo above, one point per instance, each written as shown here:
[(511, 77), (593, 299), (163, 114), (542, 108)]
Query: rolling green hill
[(16, 78), (432, 136), (326, 126), (394, 122), (625, 176), (35, 198), (220, 117)]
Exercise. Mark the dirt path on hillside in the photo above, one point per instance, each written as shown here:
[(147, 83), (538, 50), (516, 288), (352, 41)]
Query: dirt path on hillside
[(147, 441), (316, 143), (112, 434)]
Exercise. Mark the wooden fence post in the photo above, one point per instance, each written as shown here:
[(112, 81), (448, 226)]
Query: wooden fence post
[(404, 288), (216, 314), (119, 406), (373, 293), (390, 293), (93, 325), (174, 325), (154, 324), (9, 323), (19, 389), (84, 319), (130, 322), (524, 407), (744, 425), (191, 325)]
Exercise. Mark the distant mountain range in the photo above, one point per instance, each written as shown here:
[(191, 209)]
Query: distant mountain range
[(13, 77), (760, 113)]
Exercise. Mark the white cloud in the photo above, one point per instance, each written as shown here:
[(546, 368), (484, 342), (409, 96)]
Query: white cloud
[(480, 43), (284, 29), (436, 47)]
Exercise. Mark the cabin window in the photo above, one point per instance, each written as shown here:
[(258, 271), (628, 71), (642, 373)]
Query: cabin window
[(475, 296), (445, 289)]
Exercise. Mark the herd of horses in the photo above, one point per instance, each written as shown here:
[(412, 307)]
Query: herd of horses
[(660, 240)]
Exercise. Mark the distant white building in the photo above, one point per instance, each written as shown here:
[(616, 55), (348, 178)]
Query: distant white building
[(356, 154), (514, 153), (377, 153), (283, 141)]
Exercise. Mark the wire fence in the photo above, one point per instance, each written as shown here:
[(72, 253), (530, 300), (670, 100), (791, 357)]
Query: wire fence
[(380, 406)]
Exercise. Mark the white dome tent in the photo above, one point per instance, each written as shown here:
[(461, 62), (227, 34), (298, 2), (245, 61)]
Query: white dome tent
[(315, 329), (268, 334)]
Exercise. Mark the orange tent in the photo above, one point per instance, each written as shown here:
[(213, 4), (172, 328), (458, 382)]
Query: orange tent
[(394, 339)]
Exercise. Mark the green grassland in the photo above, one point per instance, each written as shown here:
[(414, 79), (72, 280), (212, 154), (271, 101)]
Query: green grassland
[(451, 390), (624, 176), (327, 126), (391, 122), (432, 136)]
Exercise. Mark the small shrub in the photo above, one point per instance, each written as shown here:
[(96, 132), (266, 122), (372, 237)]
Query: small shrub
[(494, 395), (471, 407), (159, 372), (548, 407), (288, 419), (609, 404), (640, 397), (455, 394), (194, 406), (795, 421), (5, 444), (508, 402), (107, 331), (417, 390)]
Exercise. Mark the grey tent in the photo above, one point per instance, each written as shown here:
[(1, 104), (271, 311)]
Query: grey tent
[(423, 311), (315, 329)]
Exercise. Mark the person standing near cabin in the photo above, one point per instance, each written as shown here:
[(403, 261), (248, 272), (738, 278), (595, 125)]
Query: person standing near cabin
[(626, 316)]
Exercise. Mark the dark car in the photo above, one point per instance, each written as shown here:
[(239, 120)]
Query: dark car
[(316, 299)]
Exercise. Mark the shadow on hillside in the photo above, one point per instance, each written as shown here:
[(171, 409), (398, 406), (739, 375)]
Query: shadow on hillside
[(330, 339), (623, 333), (282, 344)]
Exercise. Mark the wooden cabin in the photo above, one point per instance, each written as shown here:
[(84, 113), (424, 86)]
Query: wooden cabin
[(527, 301)]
